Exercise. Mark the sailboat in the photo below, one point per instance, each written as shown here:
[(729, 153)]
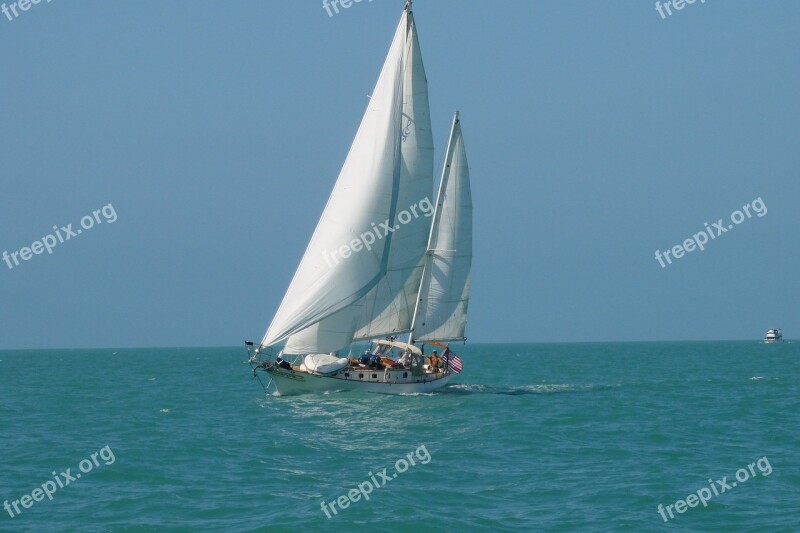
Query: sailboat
[(383, 262)]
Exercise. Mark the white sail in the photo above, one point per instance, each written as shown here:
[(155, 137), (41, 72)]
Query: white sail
[(329, 278), (441, 313), (388, 307)]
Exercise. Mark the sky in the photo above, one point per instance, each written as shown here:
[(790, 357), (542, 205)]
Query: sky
[(212, 134)]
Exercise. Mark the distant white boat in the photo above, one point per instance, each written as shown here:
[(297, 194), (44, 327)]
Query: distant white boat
[(413, 279), (773, 335)]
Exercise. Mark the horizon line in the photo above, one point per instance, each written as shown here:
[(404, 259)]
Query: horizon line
[(175, 347)]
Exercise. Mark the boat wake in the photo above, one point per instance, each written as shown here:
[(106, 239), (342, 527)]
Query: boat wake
[(544, 388)]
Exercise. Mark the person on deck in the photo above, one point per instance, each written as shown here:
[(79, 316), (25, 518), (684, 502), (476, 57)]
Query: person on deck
[(434, 361)]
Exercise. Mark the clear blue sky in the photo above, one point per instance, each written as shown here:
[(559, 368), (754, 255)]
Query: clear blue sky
[(597, 132)]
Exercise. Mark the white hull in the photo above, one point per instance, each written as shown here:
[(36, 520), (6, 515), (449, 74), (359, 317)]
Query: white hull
[(289, 382), (773, 335)]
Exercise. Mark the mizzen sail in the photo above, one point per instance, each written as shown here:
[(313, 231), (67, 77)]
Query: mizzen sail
[(441, 313)]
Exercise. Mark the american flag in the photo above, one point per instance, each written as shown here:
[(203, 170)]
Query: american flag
[(453, 361)]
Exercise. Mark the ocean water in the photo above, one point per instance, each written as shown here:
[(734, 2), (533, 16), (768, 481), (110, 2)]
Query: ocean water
[(530, 437)]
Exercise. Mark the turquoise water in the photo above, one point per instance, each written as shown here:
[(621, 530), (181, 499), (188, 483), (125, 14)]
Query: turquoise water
[(530, 437)]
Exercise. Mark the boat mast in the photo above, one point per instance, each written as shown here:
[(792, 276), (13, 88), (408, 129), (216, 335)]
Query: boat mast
[(434, 222)]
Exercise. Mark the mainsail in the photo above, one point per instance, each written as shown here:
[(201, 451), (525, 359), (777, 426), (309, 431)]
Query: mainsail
[(388, 169), (390, 306), (441, 313)]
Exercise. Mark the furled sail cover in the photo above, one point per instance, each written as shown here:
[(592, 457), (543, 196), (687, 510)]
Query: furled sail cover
[(365, 191), (444, 293)]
